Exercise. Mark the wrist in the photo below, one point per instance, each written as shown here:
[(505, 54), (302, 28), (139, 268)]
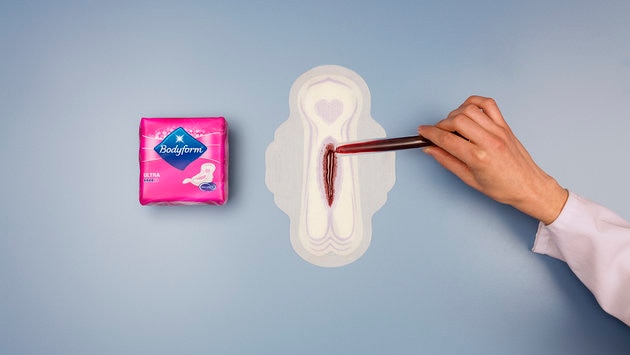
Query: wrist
[(546, 202)]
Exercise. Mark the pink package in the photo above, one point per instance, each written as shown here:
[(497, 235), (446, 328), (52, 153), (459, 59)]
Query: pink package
[(183, 161)]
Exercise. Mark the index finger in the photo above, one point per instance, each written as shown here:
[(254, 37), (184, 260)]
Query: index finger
[(452, 143)]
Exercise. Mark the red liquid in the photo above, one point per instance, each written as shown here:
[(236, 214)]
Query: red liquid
[(383, 145), (329, 168)]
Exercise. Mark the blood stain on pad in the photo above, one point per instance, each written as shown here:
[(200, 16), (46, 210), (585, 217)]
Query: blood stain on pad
[(330, 200), (183, 161)]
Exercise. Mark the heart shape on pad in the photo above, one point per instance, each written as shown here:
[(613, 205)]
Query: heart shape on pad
[(329, 110)]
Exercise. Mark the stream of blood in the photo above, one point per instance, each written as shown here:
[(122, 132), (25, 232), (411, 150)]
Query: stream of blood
[(329, 168)]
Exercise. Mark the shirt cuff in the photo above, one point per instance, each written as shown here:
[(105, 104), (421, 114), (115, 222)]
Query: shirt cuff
[(544, 242)]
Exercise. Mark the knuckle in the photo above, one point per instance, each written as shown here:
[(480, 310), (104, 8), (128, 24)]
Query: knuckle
[(459, 119), (493, 147), (472, 98), (497, 144), (470, 109), (488, 101), (481, 157), (502, 134)]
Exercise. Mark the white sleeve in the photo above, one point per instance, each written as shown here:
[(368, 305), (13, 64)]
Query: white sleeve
[(595, 243)]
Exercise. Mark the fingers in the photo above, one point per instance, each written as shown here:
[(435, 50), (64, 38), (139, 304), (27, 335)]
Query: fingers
[(489, 107), (453, 144), (453, 164), (462, 117), (478, 119)]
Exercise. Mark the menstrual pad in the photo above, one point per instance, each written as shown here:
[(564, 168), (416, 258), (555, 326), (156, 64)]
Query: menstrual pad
[(328, 226)]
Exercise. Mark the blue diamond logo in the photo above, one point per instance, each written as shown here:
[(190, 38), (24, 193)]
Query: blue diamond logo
[(180, 149)]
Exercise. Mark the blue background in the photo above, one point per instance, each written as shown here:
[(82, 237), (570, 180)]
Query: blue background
[(84, 269)]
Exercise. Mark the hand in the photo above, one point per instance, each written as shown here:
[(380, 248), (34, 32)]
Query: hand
[(492, 160)]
